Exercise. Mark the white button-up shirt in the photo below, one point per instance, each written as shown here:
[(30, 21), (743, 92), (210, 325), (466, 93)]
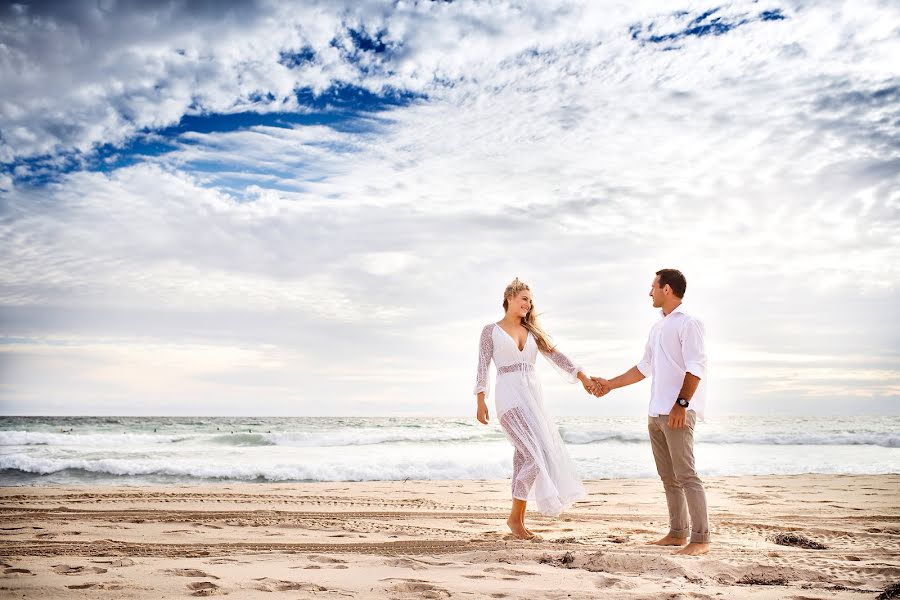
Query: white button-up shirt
[(675, 347)]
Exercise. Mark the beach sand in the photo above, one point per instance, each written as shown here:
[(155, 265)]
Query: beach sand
[(444, 539)]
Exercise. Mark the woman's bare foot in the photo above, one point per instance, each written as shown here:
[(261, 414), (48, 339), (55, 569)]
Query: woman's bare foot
[(669, 541), (518, 530), (694, 549)]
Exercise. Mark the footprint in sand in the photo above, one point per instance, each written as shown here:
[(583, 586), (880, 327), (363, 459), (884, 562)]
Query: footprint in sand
[(325, 559), (14, 572), (180, 531), (565, 540), (420, 589), (406, 563), (221, 561), (505, 571), (603, 582), (204, 588), (511, 538), (187, 573), (435, 563), (97, 585), (119, 562), (267, 584), (79, 570)]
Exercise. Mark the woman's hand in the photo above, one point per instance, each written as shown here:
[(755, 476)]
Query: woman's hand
[(590, 384), (482, 413), (601, 386)]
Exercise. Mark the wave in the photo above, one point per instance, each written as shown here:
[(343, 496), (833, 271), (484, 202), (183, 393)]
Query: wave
[(365, 437), (241, 439), (782, 438), (347, 437), (42, 438), (21, 469), (405, 435), (335, 470)]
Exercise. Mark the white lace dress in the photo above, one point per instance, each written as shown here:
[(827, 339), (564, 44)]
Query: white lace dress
[(543, 472)]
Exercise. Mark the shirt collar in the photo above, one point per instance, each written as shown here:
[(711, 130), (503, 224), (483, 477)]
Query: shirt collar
[(677, 309)]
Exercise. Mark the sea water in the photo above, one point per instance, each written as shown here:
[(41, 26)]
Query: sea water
[(165, 450)]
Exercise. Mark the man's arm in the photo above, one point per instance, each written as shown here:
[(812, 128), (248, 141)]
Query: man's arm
[(693, 347), (678, 413), (632, 375)]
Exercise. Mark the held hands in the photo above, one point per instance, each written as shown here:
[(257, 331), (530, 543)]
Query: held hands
[(596, 386), (600, 387)]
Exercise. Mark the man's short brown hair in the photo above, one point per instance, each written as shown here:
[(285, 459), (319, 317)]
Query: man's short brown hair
[(675, 279)]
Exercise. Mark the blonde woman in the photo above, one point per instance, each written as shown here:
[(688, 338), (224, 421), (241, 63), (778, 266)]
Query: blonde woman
[(542, 469)]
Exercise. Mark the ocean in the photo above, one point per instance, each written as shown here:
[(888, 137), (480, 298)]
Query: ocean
[(178, 450)]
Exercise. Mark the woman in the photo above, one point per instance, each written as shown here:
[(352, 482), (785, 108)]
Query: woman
[(542, 469)]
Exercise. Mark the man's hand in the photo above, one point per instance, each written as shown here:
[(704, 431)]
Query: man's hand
[(601, 386), (482, 414), (677, 416)]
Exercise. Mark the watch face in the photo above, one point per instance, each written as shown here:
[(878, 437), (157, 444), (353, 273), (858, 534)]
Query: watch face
[(682, 402)]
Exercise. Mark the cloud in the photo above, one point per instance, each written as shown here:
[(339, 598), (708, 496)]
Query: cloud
[(351, 188)]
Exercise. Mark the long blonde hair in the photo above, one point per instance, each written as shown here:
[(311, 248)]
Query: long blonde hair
[(530, 322)]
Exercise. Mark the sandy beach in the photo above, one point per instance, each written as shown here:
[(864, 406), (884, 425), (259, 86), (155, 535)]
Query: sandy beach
[(444, 539)]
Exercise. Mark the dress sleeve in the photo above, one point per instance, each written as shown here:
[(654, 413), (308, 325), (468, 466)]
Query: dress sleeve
[(485, 354), (568, 369)]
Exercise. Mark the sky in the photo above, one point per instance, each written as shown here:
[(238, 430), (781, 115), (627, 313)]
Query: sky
[(268, 208)]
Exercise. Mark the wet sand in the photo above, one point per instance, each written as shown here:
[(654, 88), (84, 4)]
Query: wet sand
[(444, 539)]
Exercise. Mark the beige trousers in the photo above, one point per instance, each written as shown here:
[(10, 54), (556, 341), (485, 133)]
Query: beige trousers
[(673, 451)]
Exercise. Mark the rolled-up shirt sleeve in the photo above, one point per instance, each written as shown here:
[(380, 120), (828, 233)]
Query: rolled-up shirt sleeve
[(693, 347), (646, 364)]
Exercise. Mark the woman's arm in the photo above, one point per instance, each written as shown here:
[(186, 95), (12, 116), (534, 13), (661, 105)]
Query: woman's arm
[(569, 370), (482, 376), (566, 367)]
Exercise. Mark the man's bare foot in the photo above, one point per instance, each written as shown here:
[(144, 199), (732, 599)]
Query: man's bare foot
[(694, 549), (518, 530), (669, 541)]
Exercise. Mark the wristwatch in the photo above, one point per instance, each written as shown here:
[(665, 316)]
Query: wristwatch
[(682, 402)]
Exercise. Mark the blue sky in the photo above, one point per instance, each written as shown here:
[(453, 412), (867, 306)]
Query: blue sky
[(313, 209)]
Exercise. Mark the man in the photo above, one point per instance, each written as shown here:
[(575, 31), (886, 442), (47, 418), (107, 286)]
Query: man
[(675, 357)]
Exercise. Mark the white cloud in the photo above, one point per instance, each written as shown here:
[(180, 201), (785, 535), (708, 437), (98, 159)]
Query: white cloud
[(551, 146)]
